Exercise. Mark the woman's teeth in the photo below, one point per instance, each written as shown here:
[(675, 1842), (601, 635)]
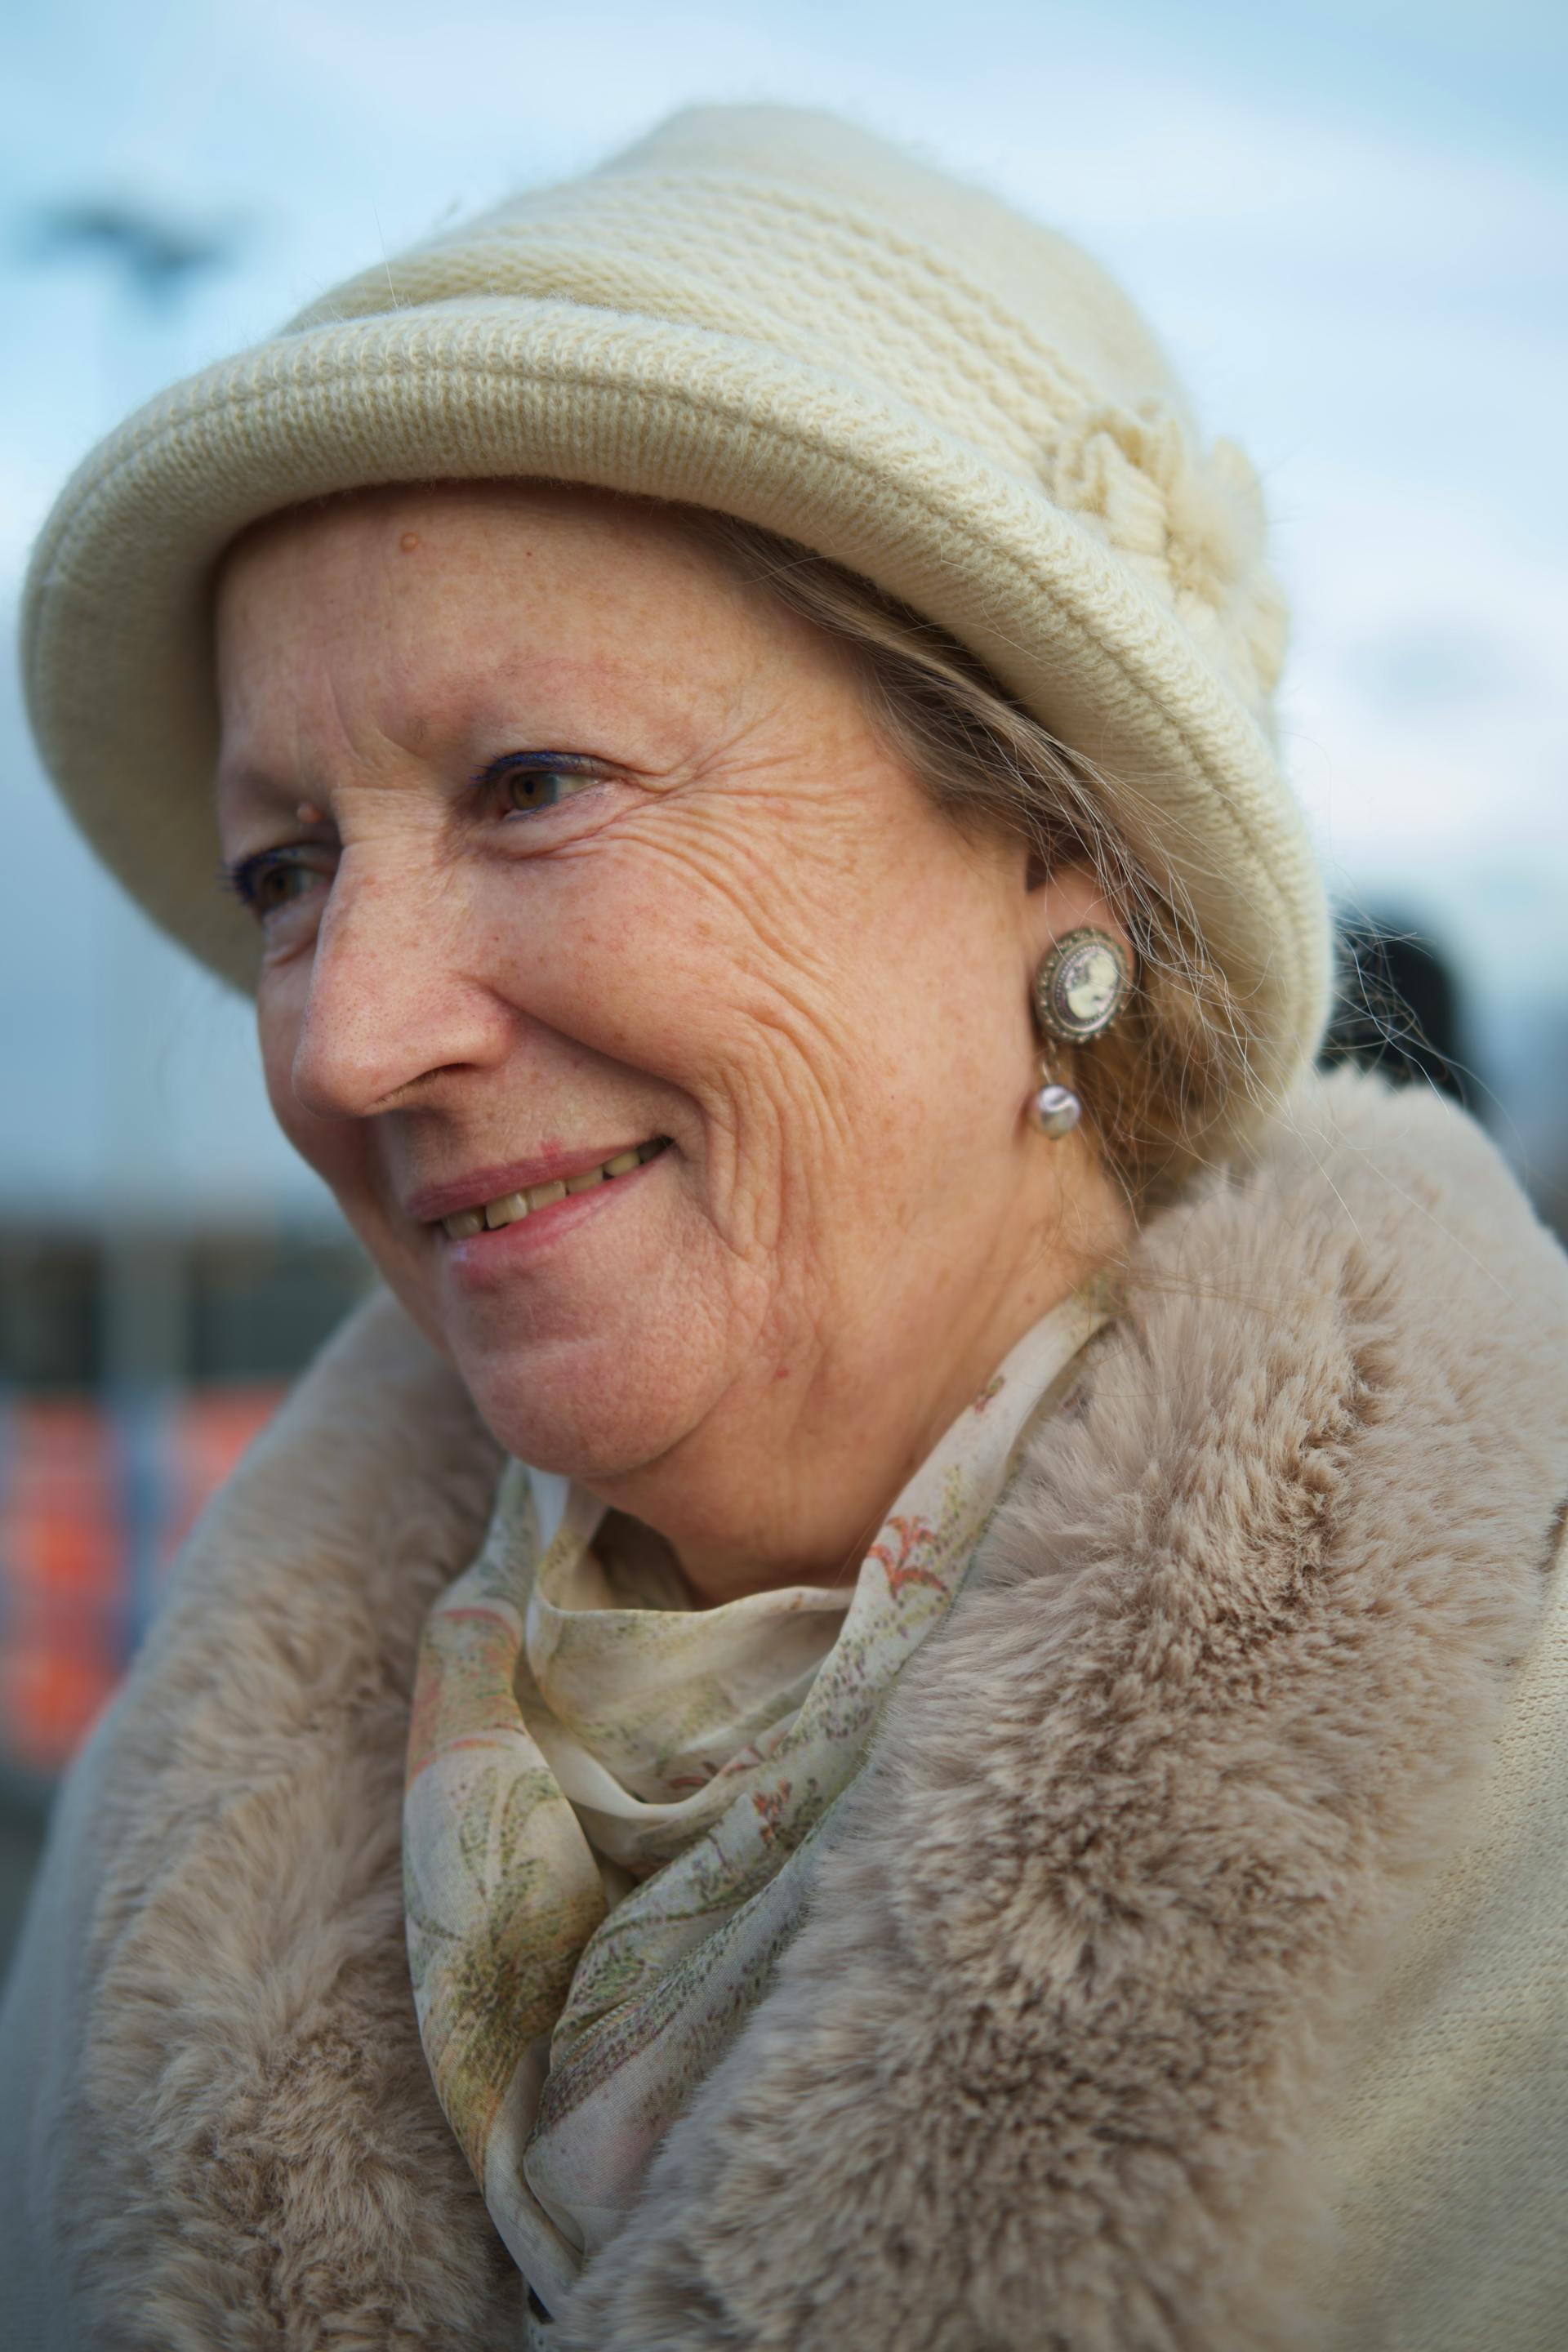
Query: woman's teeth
[(512, 1205)]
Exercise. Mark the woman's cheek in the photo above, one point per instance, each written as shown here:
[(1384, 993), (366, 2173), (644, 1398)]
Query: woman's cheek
[(630, 963)]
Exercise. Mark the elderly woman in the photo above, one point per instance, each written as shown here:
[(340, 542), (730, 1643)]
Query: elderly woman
[(902, 1692)]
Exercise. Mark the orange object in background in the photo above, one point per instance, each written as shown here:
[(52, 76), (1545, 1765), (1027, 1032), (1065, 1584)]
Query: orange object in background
[(96, 1499), (210, 1433)]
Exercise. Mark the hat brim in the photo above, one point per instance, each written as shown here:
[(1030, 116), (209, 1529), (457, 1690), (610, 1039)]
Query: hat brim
[(117, 618)]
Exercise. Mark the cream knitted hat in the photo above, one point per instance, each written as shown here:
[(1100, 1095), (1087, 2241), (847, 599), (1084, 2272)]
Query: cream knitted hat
[(770, 313)]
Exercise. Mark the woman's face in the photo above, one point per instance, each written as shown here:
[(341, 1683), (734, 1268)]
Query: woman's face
[(568, 846)]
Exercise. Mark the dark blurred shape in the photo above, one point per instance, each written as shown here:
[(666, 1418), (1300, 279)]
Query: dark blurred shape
[(243, 1306), (23, 1815), (158, 256), (1398, 1009)]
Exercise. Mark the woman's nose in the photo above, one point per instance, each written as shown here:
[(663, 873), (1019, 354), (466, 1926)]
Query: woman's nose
[(390, 1003)]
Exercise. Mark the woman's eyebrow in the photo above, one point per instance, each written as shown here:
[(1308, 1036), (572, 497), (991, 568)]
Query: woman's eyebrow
[(241, 780), (246, 788)]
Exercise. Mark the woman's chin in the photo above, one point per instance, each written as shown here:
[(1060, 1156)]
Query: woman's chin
[(580, 1410)]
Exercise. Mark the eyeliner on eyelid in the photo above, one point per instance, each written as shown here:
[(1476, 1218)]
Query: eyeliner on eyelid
[(239, 876)]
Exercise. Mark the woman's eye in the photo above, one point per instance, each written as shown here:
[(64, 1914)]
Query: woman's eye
[(526, 786), (274, 879)]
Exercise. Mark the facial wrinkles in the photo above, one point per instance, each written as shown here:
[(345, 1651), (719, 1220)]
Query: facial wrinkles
[(778, 1108), (798, 1126), (708, 840), (783, 1162)]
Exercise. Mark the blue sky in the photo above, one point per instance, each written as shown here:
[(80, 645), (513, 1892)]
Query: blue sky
[(1348, 222)]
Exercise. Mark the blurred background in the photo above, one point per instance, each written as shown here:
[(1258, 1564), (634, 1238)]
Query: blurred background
[(1348, 221)]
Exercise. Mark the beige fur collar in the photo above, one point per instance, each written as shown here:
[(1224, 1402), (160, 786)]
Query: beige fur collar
[(1043, 2069)]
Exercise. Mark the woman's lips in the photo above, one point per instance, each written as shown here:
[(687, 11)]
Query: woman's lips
[(508, 1203), (434, 1204), (491, 1248)]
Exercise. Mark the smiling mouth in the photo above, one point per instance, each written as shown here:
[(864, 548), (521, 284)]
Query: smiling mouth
[(511, 1206)]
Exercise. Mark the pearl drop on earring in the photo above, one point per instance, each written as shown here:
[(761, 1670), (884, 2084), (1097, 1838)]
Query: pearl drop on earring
[(1055, 1109)]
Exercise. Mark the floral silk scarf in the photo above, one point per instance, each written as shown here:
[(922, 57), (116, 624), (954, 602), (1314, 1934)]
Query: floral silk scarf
[(613, 1802)]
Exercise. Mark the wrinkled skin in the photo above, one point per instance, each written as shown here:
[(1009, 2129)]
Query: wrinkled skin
[(735, 921)]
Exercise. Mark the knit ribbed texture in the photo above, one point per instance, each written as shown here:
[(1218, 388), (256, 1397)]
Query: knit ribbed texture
[(771, 314)]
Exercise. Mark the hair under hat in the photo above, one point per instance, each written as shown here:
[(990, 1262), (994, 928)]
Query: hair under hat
[(769, 313)]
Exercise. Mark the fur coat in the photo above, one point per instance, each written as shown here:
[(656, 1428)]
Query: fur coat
[(1189, 1971)]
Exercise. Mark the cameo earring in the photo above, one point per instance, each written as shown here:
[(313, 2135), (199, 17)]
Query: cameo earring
[(1079, 989)]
